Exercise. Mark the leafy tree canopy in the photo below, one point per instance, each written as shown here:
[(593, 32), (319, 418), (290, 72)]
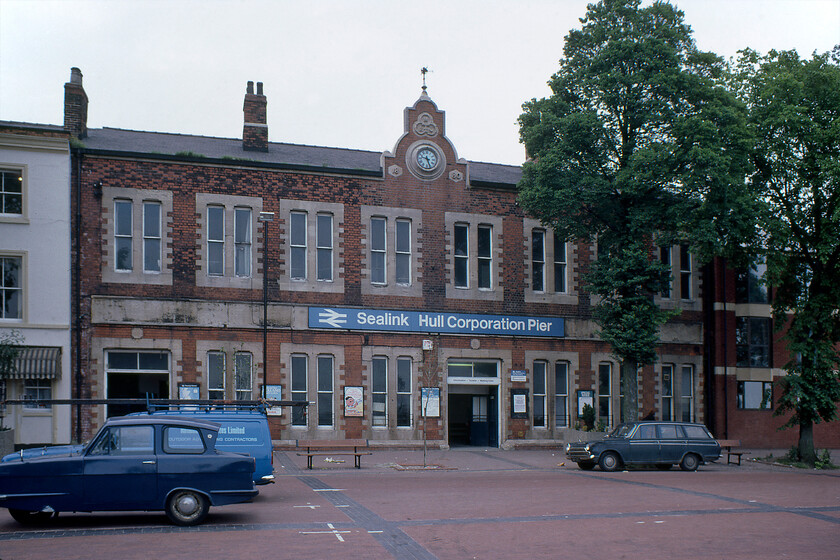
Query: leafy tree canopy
[(795, 113), (639, 143)]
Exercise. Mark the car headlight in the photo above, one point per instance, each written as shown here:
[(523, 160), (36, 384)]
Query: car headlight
[(568, 447), (586, 447)]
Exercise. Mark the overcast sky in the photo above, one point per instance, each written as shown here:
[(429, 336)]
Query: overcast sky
[(336, 73)]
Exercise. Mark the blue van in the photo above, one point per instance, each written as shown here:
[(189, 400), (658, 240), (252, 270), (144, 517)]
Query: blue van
[(243, 429)]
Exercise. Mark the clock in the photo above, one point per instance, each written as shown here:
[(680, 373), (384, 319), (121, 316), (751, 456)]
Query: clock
[(427, 159)]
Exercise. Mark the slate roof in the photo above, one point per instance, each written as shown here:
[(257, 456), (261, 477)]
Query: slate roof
[(114, 141)]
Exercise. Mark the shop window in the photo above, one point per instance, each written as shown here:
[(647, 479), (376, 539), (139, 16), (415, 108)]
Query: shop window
[(752, 341), (755, 395)]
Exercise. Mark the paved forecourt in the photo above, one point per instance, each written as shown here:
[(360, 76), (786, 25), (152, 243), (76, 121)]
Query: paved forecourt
[(475, 503)]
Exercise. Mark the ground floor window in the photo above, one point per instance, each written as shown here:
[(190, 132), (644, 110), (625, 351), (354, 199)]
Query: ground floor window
[(229, 379), (561, 394), (667, 392), (135, 375), (404, 392), (687, 393), (325, 391), (299, 376), (37, 389), (539, 374), (755, 395), (605, 393)]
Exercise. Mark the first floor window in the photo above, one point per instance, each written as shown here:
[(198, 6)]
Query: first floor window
[(297, 244), (123, 231), (378, 248), (37, 389), (667, 392), (324, 245), (538, 260), (325, 390), (11, 191), (539, 393), (665, 258), (215, 240), (11, 288), (756, 395), (242, 242), (685, 272), (151, 236), (403, 392), (485, 257), (561, 394), (403, 252), (299, 388), (380, 390), (752, 341), (559, 265), (461, 255)]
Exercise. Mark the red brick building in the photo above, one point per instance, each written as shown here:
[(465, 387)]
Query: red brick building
[(393, 280)]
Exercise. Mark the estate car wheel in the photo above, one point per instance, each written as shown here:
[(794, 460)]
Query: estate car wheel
[(609, 461), (689, 462), (30, 517), (186, 507)]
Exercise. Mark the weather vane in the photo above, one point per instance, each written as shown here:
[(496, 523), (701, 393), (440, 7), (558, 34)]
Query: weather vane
[(424, 71)]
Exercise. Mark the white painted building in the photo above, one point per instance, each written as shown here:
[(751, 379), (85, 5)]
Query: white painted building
[(35, 277)]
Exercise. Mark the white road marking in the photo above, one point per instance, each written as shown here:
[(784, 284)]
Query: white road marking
[(332, 530)]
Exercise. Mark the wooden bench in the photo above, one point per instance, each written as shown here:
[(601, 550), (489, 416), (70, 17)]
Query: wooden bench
[(311, 447), (726, 446)]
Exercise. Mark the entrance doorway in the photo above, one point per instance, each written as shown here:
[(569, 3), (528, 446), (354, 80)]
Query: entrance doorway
[(473, 416), (135, 375)]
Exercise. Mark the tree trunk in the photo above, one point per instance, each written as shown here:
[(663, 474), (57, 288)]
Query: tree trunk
[(630, 390), (807, 453)]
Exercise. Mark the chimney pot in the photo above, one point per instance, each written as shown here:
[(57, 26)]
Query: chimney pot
[(259, 88), (75, 76), (250, 88)]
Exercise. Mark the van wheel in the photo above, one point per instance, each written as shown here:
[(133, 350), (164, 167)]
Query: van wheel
[(609, 461), (186, 507), (30, 517), (690, 462)]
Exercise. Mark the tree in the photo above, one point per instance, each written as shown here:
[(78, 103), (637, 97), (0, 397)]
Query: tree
[(9, 349), (639, 144), (795, 110)]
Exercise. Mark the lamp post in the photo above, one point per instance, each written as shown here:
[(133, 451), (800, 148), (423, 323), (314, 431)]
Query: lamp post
[(265, 217)]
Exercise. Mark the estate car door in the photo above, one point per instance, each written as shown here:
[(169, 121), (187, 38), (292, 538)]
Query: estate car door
[(672, 443), (644, 447), (120, 469)]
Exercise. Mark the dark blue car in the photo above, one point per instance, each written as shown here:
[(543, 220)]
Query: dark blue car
[(148, 463)]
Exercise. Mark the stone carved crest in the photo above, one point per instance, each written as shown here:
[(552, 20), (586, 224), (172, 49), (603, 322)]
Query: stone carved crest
[(456, 175), (395, 170), (425, 126)]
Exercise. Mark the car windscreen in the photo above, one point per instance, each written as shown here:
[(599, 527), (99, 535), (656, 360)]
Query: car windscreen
[(621, 431)]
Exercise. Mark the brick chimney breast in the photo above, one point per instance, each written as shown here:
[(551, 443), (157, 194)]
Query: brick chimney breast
[(75, 105), (255, 129)]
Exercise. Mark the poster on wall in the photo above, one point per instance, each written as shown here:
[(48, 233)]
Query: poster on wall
[(273, 393), (354, 404), (584, 398), (188, 392), (430, 402)]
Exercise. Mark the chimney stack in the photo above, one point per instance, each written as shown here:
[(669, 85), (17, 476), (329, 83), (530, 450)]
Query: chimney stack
[(255, 130), (75, 105)]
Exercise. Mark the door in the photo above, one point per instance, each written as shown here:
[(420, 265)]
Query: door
[(120, 470), (644, 446), (672, 443), (480, 425)]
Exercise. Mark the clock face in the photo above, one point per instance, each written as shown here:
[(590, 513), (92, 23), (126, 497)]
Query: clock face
[(427, 159)]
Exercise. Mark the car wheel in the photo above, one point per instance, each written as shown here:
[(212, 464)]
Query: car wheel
[(663, 466), (690, 462), (586, 465), (609, 461), (30, 517), (186, 507)]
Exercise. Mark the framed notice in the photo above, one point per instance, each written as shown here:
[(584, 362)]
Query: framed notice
[(430, 402), (354, 403), (585, 397), (273, 393), (519, 403), (188, 392)]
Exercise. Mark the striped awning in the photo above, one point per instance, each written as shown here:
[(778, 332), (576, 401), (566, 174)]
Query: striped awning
[(37, 362)]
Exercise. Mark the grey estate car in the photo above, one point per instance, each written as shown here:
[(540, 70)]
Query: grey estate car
[(648, 443)]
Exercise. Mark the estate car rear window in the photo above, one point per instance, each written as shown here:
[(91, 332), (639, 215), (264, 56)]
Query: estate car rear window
[(182, 440), (696, 432), (670, 431)]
